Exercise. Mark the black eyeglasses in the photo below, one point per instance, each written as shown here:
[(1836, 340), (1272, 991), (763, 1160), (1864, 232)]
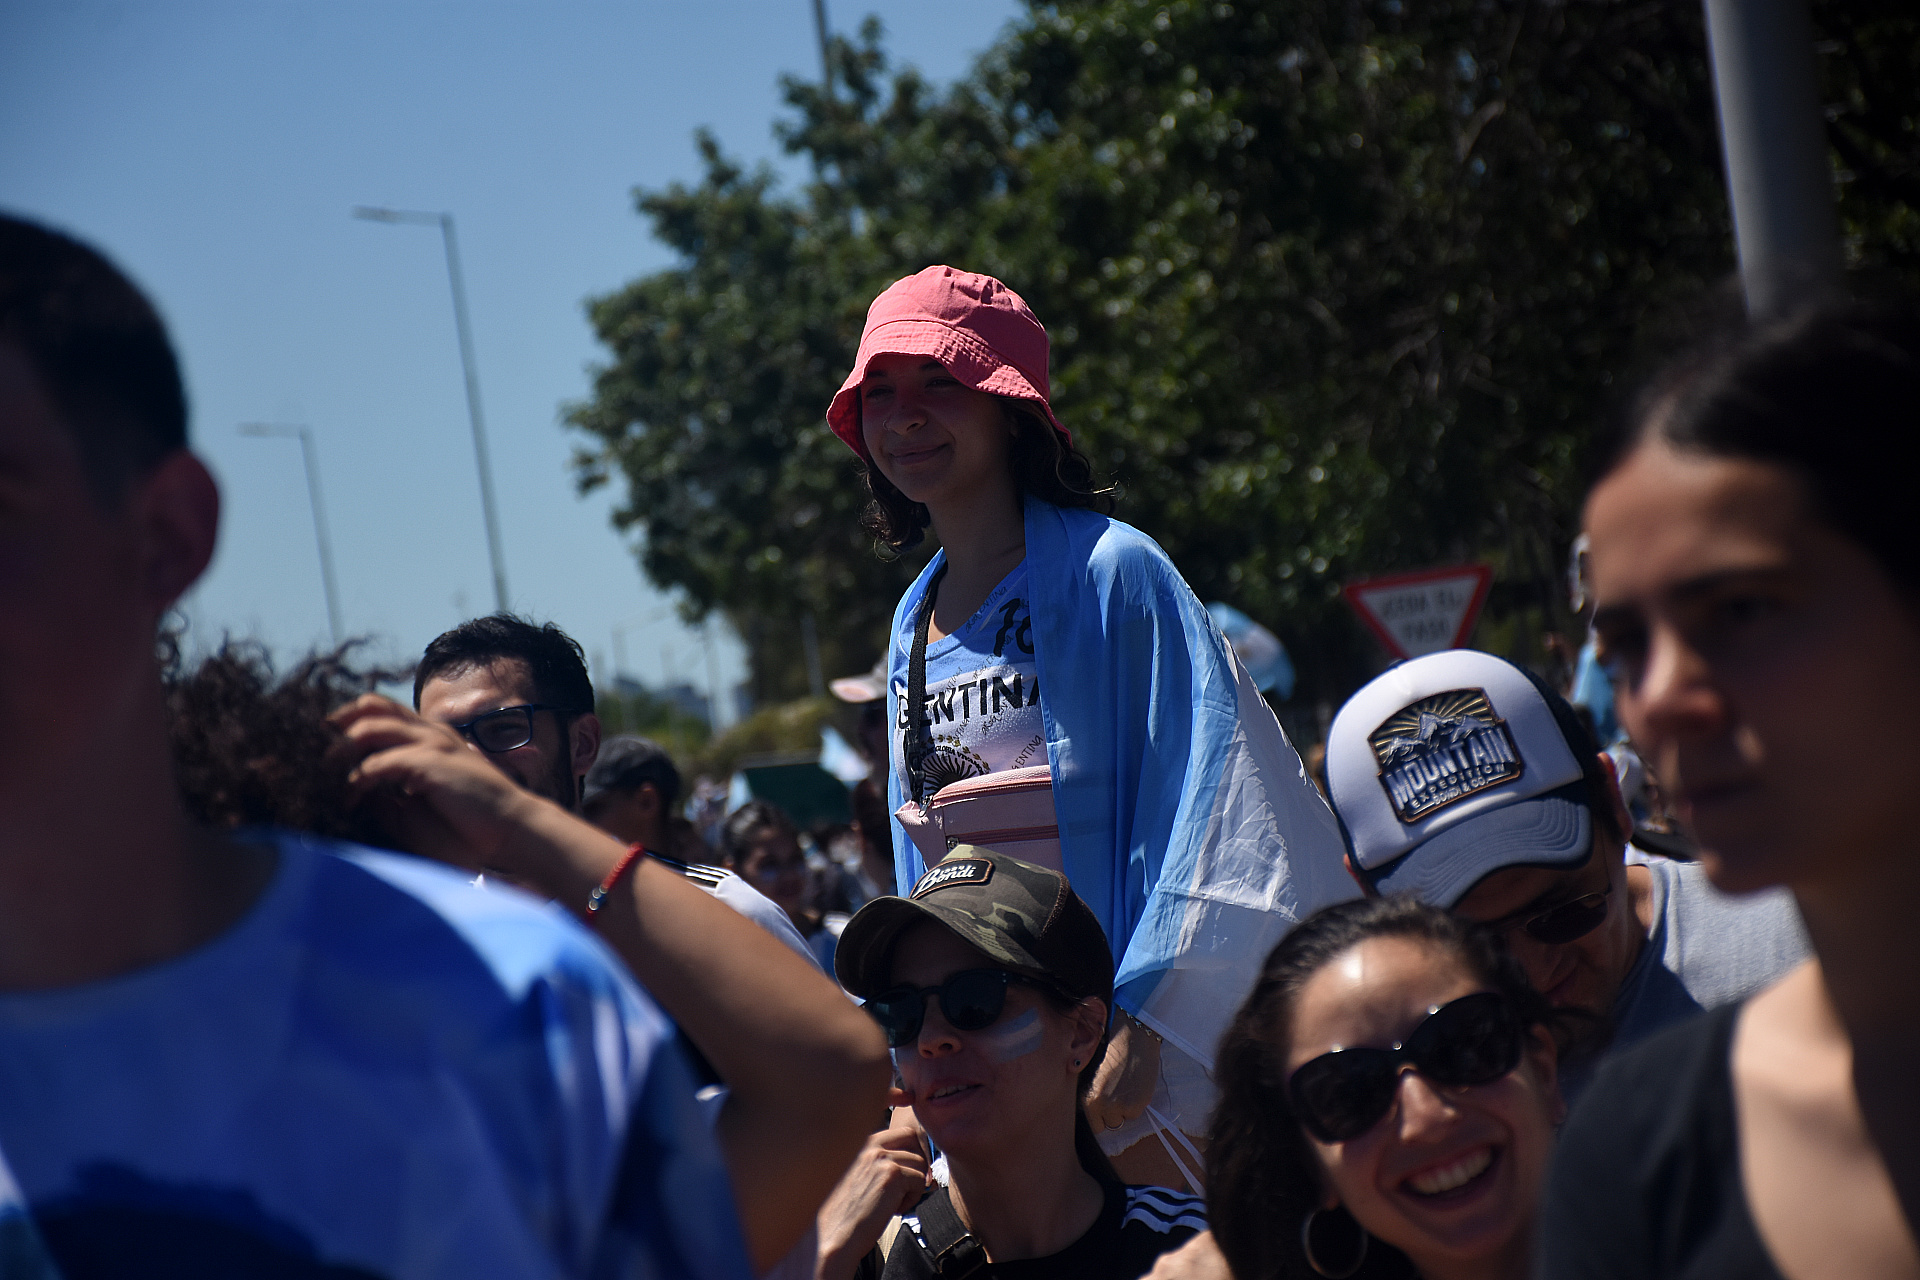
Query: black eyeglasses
[(1340, 1095), (505, 729), (969, 1000), (1568, 921)]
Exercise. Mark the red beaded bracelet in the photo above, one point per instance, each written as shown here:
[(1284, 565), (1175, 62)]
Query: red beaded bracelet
[(599, 896)]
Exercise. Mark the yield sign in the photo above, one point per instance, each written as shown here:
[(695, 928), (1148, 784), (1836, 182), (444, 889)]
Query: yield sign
[(1424, 612)]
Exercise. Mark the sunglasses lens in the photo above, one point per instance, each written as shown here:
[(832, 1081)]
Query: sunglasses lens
[(1339, 1096), (974, 1000), (898, 1012), (1470, 1041), (1570, 920)]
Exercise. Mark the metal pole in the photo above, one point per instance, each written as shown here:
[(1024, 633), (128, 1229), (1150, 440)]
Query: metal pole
[(467, 364), (1774, 140), (473, 411), (310, 457), (826, 56)]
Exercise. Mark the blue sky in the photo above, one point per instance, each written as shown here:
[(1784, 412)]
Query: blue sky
[(215, 149)]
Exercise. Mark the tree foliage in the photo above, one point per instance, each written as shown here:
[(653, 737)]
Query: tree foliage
[(1335, 288)]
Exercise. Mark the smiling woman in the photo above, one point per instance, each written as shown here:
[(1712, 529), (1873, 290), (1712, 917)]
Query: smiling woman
[(1387, 1103), (1056, 691), (992, 983)]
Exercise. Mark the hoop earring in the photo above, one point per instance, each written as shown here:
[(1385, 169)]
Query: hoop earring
[(1359, 1250)]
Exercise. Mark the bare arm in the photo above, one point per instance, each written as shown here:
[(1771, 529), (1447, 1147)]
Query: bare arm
[(806, 1069)]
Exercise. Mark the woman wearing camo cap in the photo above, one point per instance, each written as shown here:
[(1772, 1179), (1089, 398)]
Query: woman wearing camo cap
[(993, 983)]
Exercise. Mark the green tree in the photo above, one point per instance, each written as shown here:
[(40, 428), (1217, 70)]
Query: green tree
[(1334, 288)]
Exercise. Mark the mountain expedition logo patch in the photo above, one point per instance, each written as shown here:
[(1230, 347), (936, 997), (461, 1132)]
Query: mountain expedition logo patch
[(1441, 749)]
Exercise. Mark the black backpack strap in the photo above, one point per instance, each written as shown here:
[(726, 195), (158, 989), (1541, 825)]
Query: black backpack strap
[(919, 744), (956, 1254)]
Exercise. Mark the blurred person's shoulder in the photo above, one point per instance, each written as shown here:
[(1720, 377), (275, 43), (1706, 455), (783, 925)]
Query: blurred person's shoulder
[(382, 1060), (1646, 1178)]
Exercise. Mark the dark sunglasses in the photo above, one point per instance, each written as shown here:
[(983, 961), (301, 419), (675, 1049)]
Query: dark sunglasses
[(1569, 920), (1340, 1095), (507, 729), (970, 1000)]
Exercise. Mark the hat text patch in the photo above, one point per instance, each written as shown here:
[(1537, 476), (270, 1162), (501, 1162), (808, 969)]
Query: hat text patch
[(954, 871), (1442, 749)]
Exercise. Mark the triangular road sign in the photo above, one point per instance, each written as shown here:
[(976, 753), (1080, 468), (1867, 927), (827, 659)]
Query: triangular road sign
[(1424, 612)]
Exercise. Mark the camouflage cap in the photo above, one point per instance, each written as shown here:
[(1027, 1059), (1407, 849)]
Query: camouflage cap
[(1019, 915)]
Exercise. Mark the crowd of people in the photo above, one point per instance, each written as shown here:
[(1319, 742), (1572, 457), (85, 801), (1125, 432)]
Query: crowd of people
[(297, 979)]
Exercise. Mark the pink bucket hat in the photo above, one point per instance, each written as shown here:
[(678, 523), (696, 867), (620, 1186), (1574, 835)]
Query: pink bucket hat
[(978, 328)]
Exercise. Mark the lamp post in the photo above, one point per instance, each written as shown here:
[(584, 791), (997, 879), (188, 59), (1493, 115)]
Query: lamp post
[(1778, 180), (311, 458), (445, 222)]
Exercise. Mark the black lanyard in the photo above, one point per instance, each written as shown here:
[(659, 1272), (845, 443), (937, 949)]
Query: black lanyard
[(919, 739)]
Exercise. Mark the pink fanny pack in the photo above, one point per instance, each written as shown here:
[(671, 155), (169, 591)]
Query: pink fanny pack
[(1010, 812)]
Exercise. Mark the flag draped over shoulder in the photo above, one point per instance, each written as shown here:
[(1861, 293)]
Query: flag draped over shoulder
[(1187, 821)]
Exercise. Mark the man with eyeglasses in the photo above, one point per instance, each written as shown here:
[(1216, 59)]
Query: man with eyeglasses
[(518, 692), (1464, 780)]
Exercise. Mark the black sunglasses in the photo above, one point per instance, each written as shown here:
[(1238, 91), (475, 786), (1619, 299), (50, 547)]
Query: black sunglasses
[(504, 730), (1570, 920), (970, 1001), (1340, 1095)]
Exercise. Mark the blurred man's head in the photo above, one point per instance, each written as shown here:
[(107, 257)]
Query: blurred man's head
[(631, 792), (520, 694), (1465, 781), (105, 518)]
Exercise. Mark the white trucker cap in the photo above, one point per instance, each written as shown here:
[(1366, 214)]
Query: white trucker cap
[(1453, 766)]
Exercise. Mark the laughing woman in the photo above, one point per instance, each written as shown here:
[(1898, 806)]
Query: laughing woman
[(1387, 1106), (1057, 651)]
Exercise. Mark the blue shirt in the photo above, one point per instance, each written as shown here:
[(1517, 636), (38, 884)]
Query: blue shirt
[(382, 1070)]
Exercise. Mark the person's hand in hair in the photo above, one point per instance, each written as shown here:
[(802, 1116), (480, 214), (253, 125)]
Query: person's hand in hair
[(1198, 1259), (433, 795), (1123, 1086), (887, 1178)]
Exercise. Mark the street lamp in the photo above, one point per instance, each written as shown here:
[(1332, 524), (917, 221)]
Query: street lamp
[(445, 222), (312, 460)]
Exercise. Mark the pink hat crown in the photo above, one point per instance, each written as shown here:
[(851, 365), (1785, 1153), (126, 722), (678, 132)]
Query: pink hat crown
[(982, 331)]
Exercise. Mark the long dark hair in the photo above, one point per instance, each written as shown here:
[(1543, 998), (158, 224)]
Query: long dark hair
[(1830, 393), (1044, 463), (1262, 1180)]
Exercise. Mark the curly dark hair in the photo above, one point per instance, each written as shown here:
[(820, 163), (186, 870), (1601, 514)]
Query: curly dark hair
[(253, 750), (1044, 462), (1262, 1179)]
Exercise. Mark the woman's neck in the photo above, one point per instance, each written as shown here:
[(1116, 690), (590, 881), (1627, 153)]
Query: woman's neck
[(1027, 1204), (1861, 926), (984, 537)]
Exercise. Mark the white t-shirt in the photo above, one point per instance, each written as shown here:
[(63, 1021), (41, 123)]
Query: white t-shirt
[(756, 906), (983, 693), (381, 1071)]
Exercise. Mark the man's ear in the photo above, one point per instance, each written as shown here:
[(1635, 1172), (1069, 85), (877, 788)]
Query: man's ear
[(646, 797), (176, 508), (584, 742)]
